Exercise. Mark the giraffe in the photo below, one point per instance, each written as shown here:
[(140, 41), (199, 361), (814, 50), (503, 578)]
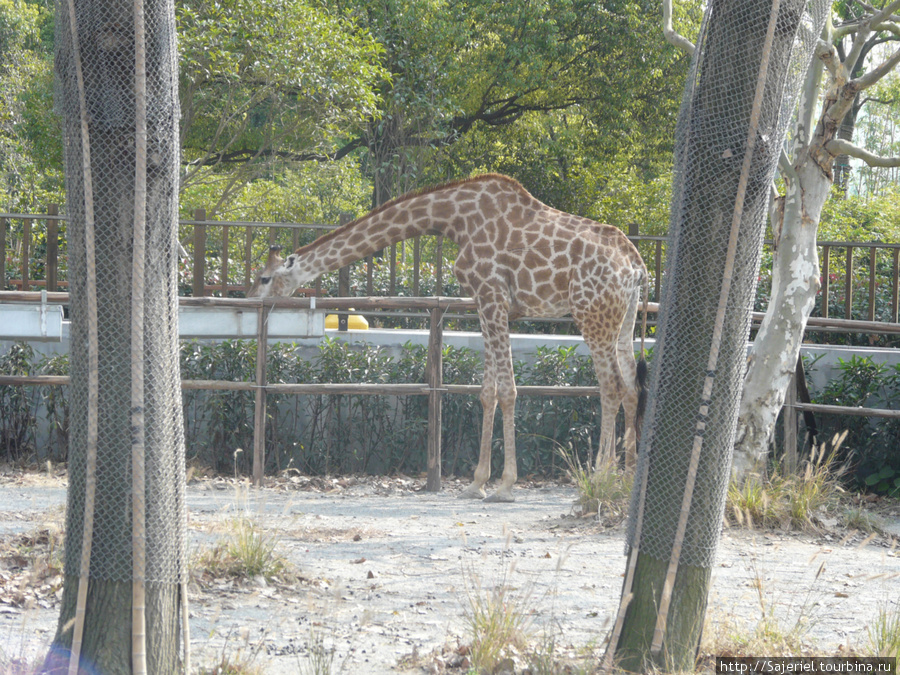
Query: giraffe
[(517, 257)]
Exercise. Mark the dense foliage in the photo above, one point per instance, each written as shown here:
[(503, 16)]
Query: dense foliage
[(285, 104), (329, 434), (302, 111), (871, 444), (30, 137)]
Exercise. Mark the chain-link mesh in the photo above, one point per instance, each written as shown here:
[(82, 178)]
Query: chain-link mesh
[(106, 39), (717, 185)]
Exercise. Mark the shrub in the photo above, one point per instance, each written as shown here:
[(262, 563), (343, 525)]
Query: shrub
[(869, 445), (342, 433), (21, 437)]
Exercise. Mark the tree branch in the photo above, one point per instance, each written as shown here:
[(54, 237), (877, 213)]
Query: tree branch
[(837, 146), (244, 156), (883, 69), (874, 10), (828, 55), (888, 13), (786, 168), (882, 101), (672, 37)]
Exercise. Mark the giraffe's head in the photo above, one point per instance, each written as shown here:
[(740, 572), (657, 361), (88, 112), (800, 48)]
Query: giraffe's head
[(279, 278)]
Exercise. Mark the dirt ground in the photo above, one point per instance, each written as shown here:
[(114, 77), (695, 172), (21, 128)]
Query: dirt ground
[(382, 575)]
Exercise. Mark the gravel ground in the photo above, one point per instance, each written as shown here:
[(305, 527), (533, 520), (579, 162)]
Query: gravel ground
[(381, 574)]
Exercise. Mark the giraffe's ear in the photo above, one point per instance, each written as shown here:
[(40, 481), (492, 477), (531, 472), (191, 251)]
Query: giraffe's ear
[(289, 263), (274, 258)]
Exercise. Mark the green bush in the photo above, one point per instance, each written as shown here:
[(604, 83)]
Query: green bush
[(21, 437), (870, 445), (375, 434), (326, 434)]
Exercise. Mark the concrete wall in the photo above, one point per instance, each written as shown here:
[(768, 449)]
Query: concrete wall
[(306, 329)]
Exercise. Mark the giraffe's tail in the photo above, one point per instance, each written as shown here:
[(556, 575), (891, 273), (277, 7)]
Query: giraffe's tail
[(641, 374), (641, 381)]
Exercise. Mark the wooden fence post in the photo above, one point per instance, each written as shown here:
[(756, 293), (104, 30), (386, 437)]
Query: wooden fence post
[(790, 427), (417, 262), (248, 255), (2, 253), (52, 248), (848, 285), (873, 261), (392, 287), (199, 255), (224, 265), (657, 269), (26, 251), (259, 411), (826, 279), (895, 285), (439, 266), (344, 280), (434, 369)]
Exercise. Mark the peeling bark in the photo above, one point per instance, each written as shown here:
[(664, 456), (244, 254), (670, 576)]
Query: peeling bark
[(795, 283)]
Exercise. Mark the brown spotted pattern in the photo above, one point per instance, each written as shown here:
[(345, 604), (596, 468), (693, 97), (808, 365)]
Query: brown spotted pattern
[(517, 257)]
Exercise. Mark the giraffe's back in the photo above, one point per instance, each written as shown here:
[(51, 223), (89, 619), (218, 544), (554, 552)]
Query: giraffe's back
[(531, 254)]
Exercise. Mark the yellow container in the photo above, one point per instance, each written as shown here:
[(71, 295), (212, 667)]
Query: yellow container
[(354, 322)]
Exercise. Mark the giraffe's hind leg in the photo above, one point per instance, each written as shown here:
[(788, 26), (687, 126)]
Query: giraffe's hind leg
[(628, 368), (612, 395), (600, 321)]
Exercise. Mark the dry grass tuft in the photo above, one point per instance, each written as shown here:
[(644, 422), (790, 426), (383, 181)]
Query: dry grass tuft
[(884, 632), (248, 551), (604, 493), (789, 502)]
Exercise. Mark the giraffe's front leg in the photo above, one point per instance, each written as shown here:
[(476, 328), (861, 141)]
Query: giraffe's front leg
[(483, 470), (506, 396), (508, 410)]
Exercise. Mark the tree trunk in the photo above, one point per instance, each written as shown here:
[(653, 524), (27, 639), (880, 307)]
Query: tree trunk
[(795, 282), (728, 142), (691, 591), (107, 58), (795, 273)]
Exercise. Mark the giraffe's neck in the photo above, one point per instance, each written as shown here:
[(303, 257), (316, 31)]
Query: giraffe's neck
[(449, 210)]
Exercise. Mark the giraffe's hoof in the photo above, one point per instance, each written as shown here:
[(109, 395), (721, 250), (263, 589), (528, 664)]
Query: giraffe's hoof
[(501, 496), (473, 492)]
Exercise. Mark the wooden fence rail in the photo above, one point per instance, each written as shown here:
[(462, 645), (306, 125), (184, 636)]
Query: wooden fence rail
[(210, 264)]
